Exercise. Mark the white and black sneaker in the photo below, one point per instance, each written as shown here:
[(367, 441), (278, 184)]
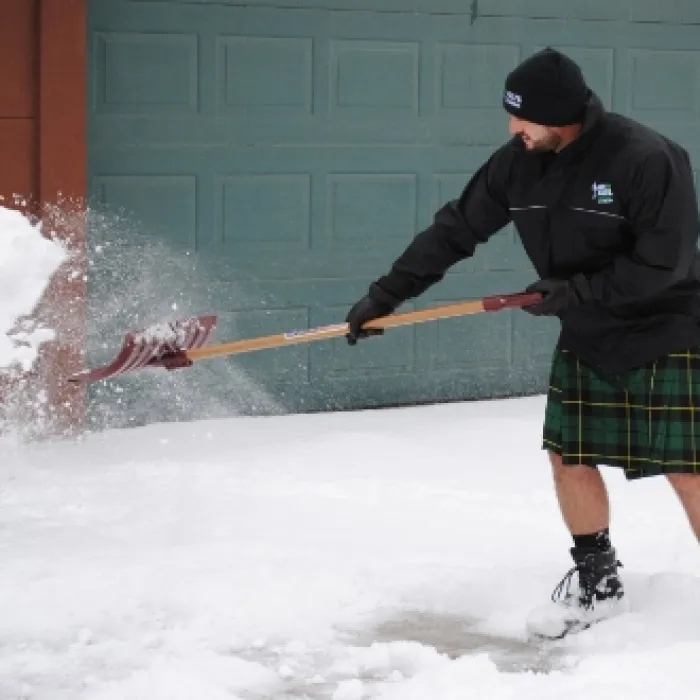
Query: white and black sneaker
[(596, 595)]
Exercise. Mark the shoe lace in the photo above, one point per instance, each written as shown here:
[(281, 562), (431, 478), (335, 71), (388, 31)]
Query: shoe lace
[(563, 588)]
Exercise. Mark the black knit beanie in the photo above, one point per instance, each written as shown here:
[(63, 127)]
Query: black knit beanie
[(547, 89)]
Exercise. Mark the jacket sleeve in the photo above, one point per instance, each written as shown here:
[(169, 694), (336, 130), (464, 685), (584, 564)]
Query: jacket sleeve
[(663, 214), (457, 228)]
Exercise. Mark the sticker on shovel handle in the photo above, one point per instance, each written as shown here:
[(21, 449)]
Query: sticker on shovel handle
[(319, 330)]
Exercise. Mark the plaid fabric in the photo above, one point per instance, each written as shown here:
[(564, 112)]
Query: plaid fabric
[(648, 425)]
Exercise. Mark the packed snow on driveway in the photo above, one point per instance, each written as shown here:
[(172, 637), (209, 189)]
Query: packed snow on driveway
[(389, 554)]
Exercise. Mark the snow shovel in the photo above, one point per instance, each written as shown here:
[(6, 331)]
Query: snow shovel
[(180, 343)]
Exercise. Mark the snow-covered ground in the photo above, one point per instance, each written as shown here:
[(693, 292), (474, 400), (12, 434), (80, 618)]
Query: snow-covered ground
[(386, 554)]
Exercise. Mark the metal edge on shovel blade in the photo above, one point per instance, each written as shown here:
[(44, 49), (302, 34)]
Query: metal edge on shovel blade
[(146, 348)]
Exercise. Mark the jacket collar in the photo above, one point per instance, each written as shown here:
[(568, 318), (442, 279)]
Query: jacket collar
[(591, 127)]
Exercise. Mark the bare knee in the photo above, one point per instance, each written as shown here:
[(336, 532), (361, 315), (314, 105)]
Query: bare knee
[(685, 483), (569, 472)]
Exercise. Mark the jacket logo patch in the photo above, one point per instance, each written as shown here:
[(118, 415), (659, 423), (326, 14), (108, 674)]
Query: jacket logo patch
[(602, 192), (513, 99)]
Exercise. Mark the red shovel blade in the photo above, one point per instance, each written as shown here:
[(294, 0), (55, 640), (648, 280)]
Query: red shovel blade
[(162, 345)]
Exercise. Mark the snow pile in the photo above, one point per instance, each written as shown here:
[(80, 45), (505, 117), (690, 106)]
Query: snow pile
[(27, 261)]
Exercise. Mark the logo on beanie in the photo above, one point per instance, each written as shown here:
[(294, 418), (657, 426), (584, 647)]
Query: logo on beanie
[(602, 192), (513, 99)]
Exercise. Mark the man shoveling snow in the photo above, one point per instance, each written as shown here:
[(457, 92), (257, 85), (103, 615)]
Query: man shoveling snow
[(607, 213)]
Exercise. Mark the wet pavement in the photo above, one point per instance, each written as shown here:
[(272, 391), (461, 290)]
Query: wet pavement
[(315, 674)]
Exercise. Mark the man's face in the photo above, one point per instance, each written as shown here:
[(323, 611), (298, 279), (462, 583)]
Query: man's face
[(535, 137)]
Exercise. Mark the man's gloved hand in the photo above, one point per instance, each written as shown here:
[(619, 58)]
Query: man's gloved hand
[(557, 296), (375, 305)]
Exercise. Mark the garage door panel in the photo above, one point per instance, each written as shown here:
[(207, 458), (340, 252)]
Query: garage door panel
[(265, 74), (164, 205), (145, 72), (652, 91), (263, 211)]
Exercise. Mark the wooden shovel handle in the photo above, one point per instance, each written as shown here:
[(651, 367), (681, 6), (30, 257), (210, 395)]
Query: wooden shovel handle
[(494, 303)]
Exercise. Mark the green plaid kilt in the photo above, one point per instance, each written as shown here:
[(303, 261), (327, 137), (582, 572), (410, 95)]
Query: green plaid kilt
[(648, 424)]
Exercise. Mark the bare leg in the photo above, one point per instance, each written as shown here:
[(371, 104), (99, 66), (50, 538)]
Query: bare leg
[(583, 498), (687, 486)]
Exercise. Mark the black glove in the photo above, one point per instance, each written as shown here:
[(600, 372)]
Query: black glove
[(367, 309), (558, 295)]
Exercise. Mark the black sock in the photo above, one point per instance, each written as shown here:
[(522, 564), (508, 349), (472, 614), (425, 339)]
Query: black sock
[(596, 540)]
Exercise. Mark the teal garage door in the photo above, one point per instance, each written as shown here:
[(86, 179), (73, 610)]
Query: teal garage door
[(279, 155)]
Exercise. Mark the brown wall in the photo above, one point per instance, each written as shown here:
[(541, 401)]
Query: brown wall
[(19, 103), (43, 159)]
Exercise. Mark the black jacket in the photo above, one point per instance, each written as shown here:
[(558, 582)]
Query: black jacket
[(615, 212)]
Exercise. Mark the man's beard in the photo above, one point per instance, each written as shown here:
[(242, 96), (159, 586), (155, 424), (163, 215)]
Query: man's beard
[(549, 144)]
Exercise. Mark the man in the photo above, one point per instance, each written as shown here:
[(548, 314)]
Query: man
[(607, 213)]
